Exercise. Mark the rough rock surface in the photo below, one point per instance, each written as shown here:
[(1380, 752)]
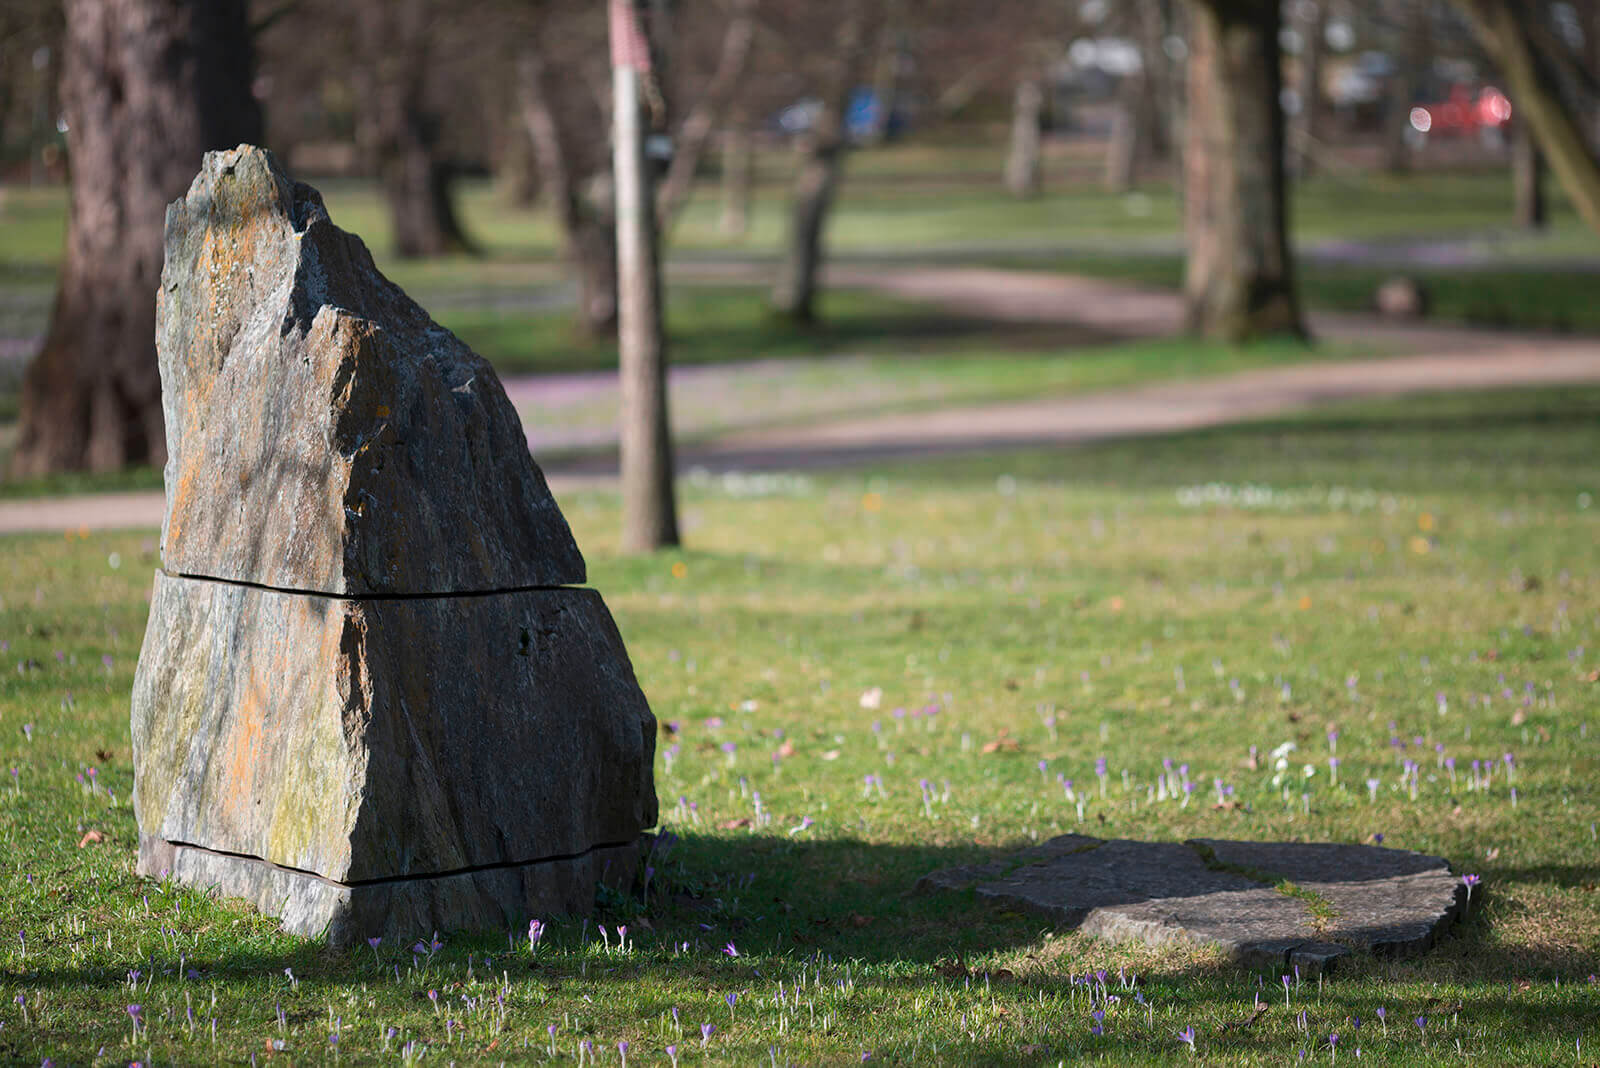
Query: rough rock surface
[(367, 701), (323, 433), (1226, 894), (490, 899), (363, 739)]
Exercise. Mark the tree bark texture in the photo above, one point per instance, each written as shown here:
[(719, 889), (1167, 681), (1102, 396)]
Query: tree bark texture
[(886, 72), (737, 163), (576, 183), (402, 131), (695, 132), (1308, 122), (1536, 97), (1126, 144), (1022, 159), (1527, 178), (822, 151), (147, 86), (1239, 281), (649, 507)]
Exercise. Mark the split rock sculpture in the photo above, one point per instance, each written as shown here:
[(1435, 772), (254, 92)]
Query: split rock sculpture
[(371, 698)]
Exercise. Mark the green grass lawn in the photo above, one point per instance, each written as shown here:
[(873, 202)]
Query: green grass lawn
[(1425, 568), (896, 203)]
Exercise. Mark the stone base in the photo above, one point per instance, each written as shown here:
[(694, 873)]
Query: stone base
[(389, 766), (400, 910), (1223, 894)]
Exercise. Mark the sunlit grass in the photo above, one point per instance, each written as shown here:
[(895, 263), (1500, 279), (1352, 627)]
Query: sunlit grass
[(1185, 598)]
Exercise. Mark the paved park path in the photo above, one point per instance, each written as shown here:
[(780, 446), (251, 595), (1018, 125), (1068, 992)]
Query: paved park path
[(1436, 357)]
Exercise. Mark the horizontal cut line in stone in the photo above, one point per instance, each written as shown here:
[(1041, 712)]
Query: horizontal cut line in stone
[(443, 595), (385, 880)]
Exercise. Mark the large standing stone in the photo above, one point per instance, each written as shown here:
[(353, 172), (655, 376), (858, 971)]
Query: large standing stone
[(323, 433), (366, 699), (1253, 900)]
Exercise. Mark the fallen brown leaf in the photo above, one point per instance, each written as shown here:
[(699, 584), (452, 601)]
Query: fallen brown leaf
[(90, 836), (1002, 741)]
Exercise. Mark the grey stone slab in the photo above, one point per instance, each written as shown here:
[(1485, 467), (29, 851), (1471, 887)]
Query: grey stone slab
[(323, 433), (1390, 901), (400, 911), (365, 739), (1224, 894), (962, 878)]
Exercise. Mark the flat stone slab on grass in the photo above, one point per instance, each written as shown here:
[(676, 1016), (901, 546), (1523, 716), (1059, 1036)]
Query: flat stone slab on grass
[(1234, 895)]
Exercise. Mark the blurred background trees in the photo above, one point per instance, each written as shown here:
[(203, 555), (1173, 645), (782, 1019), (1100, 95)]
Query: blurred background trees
[(145, 88), (1227, 102)]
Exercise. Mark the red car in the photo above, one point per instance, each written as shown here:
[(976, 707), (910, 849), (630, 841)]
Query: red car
[(1463, 112)]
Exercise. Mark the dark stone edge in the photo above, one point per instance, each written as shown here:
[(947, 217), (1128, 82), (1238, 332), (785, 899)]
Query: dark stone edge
[(497, 897), (442, 595)]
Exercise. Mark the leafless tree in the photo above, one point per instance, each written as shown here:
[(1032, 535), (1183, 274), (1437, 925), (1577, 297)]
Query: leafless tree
[(147, 86)]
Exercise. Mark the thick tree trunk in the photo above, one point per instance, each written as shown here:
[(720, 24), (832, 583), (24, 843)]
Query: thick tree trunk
[(402, 132), (1238, 282), (1308, 122), (1500, 29), (822, 153), (1527, 178), (516, 175), (737, 163), (1022, 160), (695, 132), (416, 185), (583, 210), (593, 252), (147, 87)]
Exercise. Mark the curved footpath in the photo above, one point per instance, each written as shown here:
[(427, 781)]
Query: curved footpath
[(1446, 358)]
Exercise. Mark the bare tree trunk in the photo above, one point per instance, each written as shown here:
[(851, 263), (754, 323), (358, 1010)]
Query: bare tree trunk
[(585, 216), (416, 185), (516, 175), (400, 130), (822, 152), (795, 293), (147, 87), (1022, 161), (695, 133), (1160, 114), (886, 73), (1499, 28), (1527, 178), (1308, 122), (593, 252), (649, 508), (1414, 53), (1125, 145), (1238, 282), (737, 164)]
